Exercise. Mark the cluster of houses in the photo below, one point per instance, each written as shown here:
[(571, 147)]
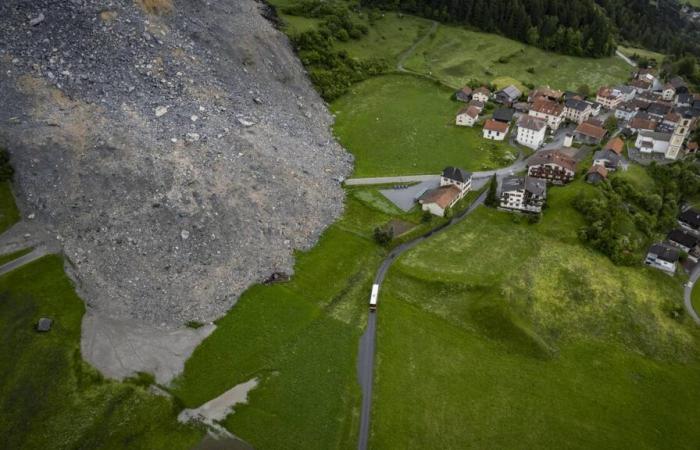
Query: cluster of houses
[(686, 239), (662, 116)]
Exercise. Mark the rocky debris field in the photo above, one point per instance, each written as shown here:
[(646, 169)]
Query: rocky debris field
[(177, 158)]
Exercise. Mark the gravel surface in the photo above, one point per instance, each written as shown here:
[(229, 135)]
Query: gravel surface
[(176, 159)]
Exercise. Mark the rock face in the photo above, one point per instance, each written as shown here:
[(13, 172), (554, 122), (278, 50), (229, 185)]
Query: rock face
[(177, 158)]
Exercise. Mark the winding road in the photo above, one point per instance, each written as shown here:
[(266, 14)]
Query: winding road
[(365, 359), (687, 294)]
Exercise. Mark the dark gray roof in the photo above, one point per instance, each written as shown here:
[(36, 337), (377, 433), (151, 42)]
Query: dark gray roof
[(664, 252), (537, 186), (682, 237), (44, 324), (659, 109), (656, 135), (578, 105), (511, 92), (456, 174), (677, 82), (691, 217), (503, 114), (512, 183), (608, 155)]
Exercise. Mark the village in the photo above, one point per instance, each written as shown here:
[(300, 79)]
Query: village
[(643, 121)]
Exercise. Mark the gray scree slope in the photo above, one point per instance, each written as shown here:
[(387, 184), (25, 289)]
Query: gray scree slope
[(177, 159)]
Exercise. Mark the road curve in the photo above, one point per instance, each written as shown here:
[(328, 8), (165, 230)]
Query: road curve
[(365, 359), (687, 294)]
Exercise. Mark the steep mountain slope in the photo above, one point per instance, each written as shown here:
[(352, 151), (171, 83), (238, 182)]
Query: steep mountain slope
[(177, 158)]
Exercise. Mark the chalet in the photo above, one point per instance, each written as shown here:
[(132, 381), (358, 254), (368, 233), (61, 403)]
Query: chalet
[(453, 176), (531, 131), (545, 92), (495, 130), (508, 95), (608, 159), (596, 174), (651, 142), (481, 94), (464, 94), (551, 112), (552, 166), (477, 104), (668, 92), (690, 218), (504, 115), (467, 116), (662, 257), (608, 98), (438, 200), (577, 110), (617, 145), (590, 132), (525, 194), (683, 240)]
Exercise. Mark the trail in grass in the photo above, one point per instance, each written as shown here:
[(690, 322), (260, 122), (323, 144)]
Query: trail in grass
[(405, 55)]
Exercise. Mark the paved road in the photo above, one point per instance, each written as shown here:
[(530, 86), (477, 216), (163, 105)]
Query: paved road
[(695, 274), (390, 180), (625, 58), (365, 360), (25, 259)]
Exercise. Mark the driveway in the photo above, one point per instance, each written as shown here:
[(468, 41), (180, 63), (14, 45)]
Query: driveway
[(405, 198)]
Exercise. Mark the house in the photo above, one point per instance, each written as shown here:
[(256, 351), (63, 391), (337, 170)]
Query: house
[(577, 110), (590, 132), (508, 95), (44, 325), (504, 115), (690, 218), (595, 108), (477, 104), (552, 113), (683, 240), (453, 176), (658, 110), (545, 92), (525, 194), (608, 159), (625, 111), (531, 131), (627, 92), (495, 130), (608, 98), (596, 174), (679, 85), (467, 116), (662, 257), (691, 147), (652, 142), (671, 120), (482, 94), (641, 85), (464, 94), (668, 92), (686, 100), (617, 145), (438, 200), (552, 166), (641, 123)]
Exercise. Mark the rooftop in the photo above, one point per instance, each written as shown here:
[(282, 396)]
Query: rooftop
[(494, 125), (456, 174), (442, 196), (531, 123), (552, 157)]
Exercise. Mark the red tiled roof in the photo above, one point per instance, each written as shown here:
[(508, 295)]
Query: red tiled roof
[(494, 125), (616, 145), (591, 130), (442, 196), (552, 157), (482, 90), (600, 170), (471, 111), (544, 106), (638, 123)]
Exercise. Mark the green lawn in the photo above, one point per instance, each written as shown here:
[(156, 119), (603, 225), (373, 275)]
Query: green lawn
[(401, 125), (501, 334), (9, 214), (631, 51), (456, 55), (49, 397), (300, 338), (695, 299)]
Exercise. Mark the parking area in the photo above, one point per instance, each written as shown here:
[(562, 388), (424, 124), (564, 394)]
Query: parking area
[(405, 197)]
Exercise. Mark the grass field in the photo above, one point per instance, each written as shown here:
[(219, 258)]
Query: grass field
[(300, 338), (456, 55), (501, 334), (401, 124), (4, 259), (631, 51), (49, 397), (695, 299)]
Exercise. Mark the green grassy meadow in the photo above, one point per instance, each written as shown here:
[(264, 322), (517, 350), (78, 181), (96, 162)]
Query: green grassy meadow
[(631, 51), (401, 125), (695, 299), (9, 214), (503, 334), (50, 398)]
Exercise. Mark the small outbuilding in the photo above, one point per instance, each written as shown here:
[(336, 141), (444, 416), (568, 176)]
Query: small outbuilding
[(44, 325)]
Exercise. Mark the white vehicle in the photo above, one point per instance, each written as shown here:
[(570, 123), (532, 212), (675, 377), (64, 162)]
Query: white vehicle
[(373, 297)]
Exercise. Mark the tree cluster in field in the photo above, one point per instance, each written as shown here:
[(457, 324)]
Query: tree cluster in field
[(6, 170), (332, 71), (622, 220), (573, 27)]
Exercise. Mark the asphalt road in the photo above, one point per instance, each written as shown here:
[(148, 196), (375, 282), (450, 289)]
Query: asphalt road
[(365, 359), (688, 292)]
